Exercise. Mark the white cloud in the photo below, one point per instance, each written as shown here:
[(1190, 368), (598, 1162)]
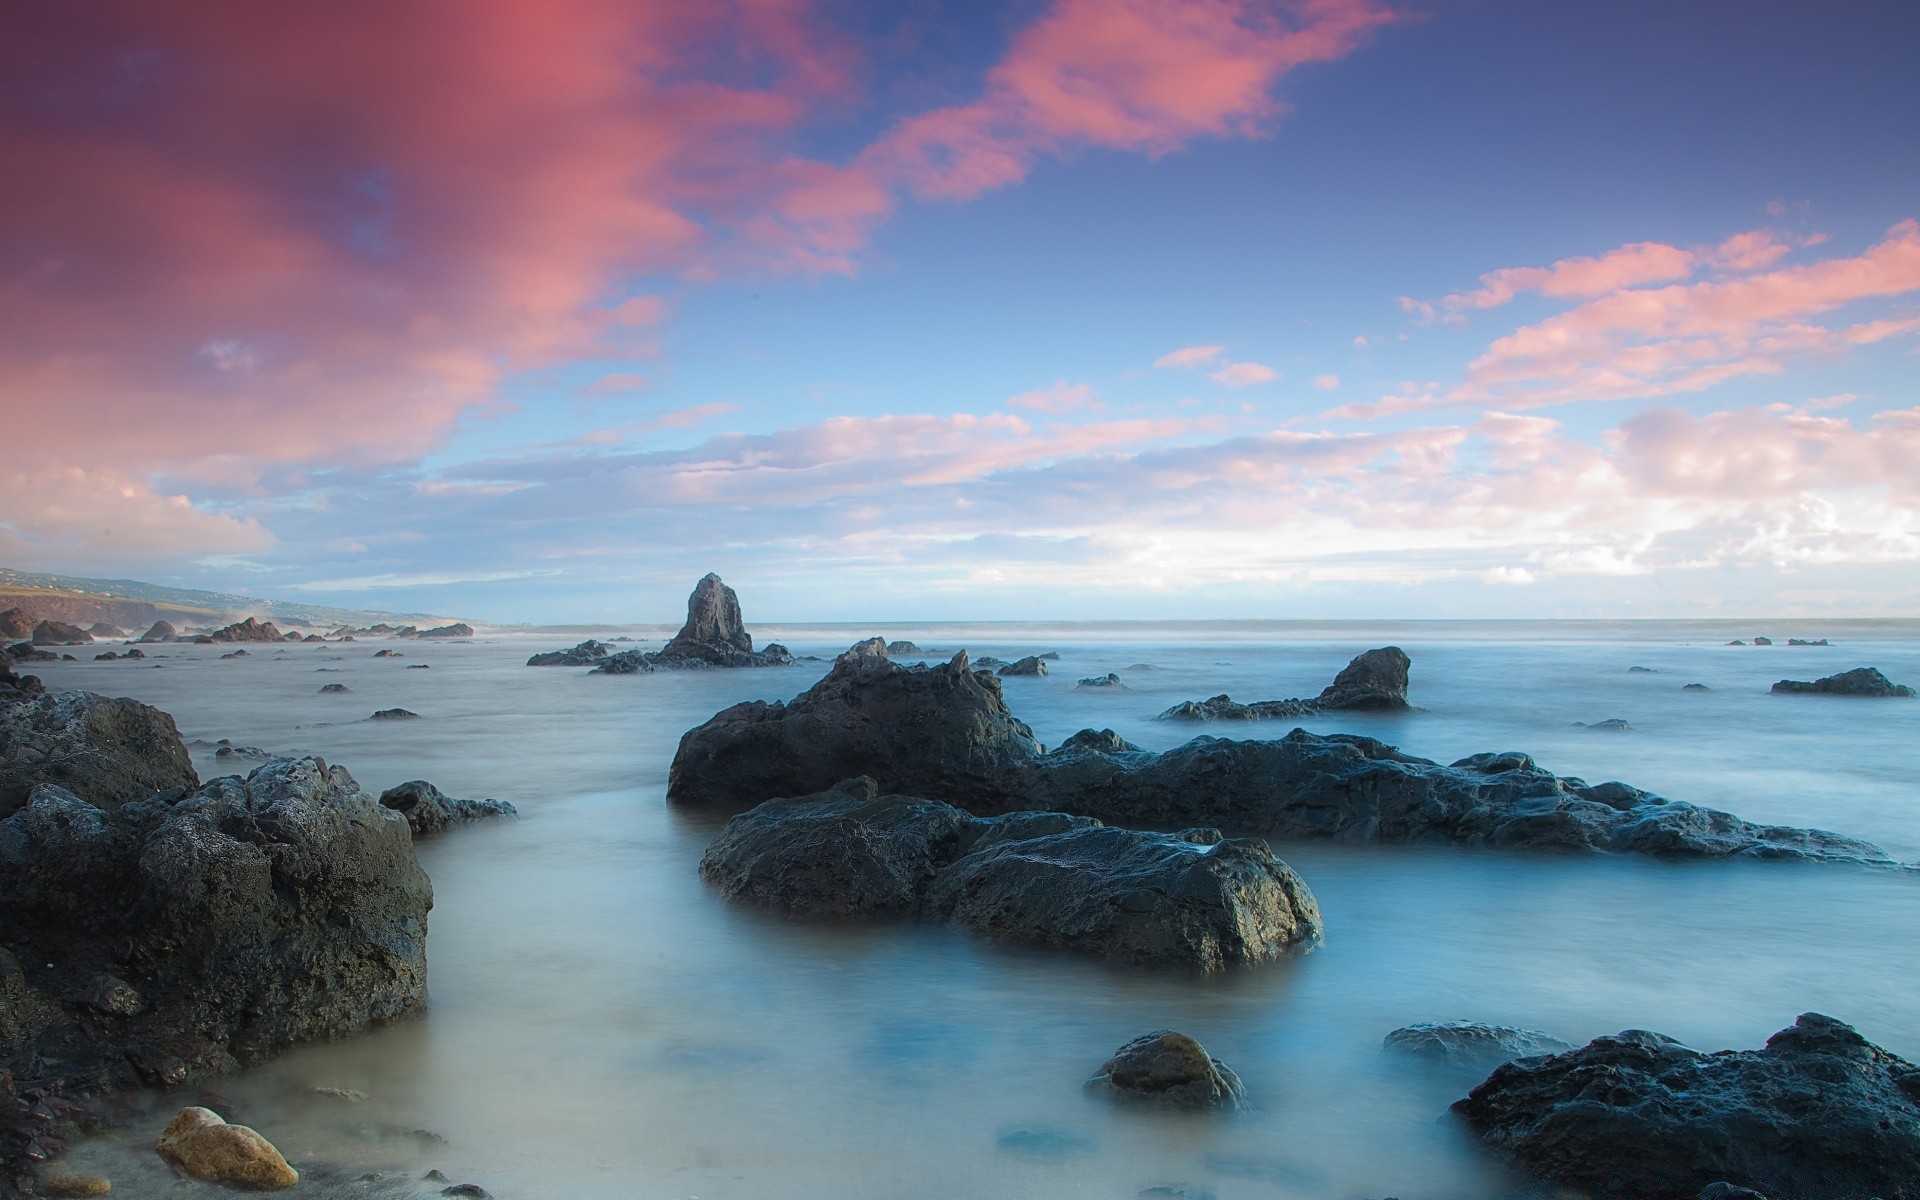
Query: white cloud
[(1243, 374)]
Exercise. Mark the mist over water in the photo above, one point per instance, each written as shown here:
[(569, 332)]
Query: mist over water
[(604, 1026)]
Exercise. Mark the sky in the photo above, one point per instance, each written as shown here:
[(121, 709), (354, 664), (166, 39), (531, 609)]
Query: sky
[(1083, 309)]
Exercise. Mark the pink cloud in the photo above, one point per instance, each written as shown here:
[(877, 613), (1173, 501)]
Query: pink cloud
[(1629, 266), (1243, 374), (1062, 397), (1327, 383), (1188, 357), (1141, 75)]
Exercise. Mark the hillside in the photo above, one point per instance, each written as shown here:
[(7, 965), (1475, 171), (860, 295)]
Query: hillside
[(130, 603)]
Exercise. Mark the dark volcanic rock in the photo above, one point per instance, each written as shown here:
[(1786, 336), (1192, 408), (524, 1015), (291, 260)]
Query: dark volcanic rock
[(1109, 682), (1819, 1114), (394, 714), (714, 634), (459, 629), (429, 810), (248, 630), (1861, 681), (586, 654), (1168, 1068), (1190, 899), (1374, 681), (59, 633), (16, 623), (334, 689), (945, 732), (1470, 1043), (102, 629), (17, 687), (159, 631), (28, 652), (195, 930), (626, 662), (1030, 665), (387, 654), (108, 752)]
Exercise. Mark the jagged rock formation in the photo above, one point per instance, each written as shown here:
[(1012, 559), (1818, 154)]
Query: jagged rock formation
[(1030, 665), (1109, 682), (59, 633), (1861, 681), (429, 810), (1192, 898), (714, 636), (106, 751), (459, 629), (585, 654), (1819, 1114), (945, 732), (1373, 682), (159, 631), (248, 630), (1171, 1069), (1471, 1043), (16, 623)]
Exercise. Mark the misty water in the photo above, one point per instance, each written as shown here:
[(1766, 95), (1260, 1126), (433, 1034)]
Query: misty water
[(602, 1025)]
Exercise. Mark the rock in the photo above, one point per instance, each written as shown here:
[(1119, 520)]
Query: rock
[(429, 810), (107, 752), (626, 662), (586, 654), (419, 666), (16, 623), (1375, 681), (159, 631), (27, 652), (102, 629), (987, 662), (109, 656), (1471, 1043), (1806, 642), (386, 654), (904, 646), (344, 1095), (75, 1185), (1760, 641), (467, 1191), (1030, 665), (1190, 899), (1861, 681), (714, 634), (199, 1144), (313, 637), (1696, 687), (17, 687), (1110, 682), (234, 654), (111, 995), (394, 714), (1641, 671), (459, 629), (1820, 1113), (1610, 725), (334, 689), (1736, 642), (1164, 1067), (944, 732), (248, 630), (59, 633)]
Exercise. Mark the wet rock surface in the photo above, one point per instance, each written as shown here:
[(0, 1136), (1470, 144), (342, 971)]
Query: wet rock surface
[(1171, 1069), (1190, 899), (1030, 665), (200, 1144), (586, 654), (1818, 1113), (1861, 681), (428, 810), (945, 732), (1375, 681), (1471, 1043), (106, 751)]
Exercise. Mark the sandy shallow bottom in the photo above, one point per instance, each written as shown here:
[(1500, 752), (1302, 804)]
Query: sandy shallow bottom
[(602, 1026)]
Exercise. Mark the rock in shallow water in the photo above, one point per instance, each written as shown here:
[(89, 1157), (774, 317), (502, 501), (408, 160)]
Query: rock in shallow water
[(1375, 681), (1168, 1068), (199, 1144), (585, 654), (945, 732), (1819, 1114), (1048, 879), (1861, 681), (428, 810), (1471, 1043)]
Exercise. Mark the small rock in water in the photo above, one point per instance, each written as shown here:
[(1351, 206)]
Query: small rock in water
[(419, 666), (345, 1095), (334, 689), (1471, 1043), (1696, 687), (1806, 642), (1861, 681), (1641, 671), (1737, 642), (386, 654), (199, 1144), (471, 1190), (394, 714), (1165, 1067), (429, 810), (1762, 641), (75, 1185), (1110, 682), (1030, 665), (1610, 725)]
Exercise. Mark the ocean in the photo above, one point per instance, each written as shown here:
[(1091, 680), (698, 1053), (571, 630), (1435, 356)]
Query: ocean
[(602, 1025)]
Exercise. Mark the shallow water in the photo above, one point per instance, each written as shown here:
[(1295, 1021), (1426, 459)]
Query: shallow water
[(603, 1026)]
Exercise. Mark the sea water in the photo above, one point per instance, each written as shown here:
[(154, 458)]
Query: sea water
[(603, 1025)]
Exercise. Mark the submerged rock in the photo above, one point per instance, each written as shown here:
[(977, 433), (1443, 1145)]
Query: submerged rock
[(945, 732), (585, 654), (1190, 899), (394, 714), (429, 810), (1861, 681), (1110, 682), (1168, 1068), (1471, 1043), (1610, 725), (1820, 1113), (1375, 681), (106, 751), (59, 633), (333, 689), (198, 1143)]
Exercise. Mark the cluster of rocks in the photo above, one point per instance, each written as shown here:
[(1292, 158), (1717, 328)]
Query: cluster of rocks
[(1861, 681), (249, 630), (1375, 681), (458, 629), (112, 655), (1193, 898), (944, 732), (1765, 641), (586, 654), (714, 636)]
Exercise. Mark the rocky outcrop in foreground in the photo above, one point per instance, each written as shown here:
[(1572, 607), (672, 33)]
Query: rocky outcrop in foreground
[(1189, 899), (1373, 682), (1861, 681), (586, 654), (106, 751), (428, 810), (1171, 1069), (1819, 1114), (192, 930), (945, 732)]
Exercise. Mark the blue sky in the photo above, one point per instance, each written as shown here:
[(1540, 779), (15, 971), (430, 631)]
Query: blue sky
[(861, 306)]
